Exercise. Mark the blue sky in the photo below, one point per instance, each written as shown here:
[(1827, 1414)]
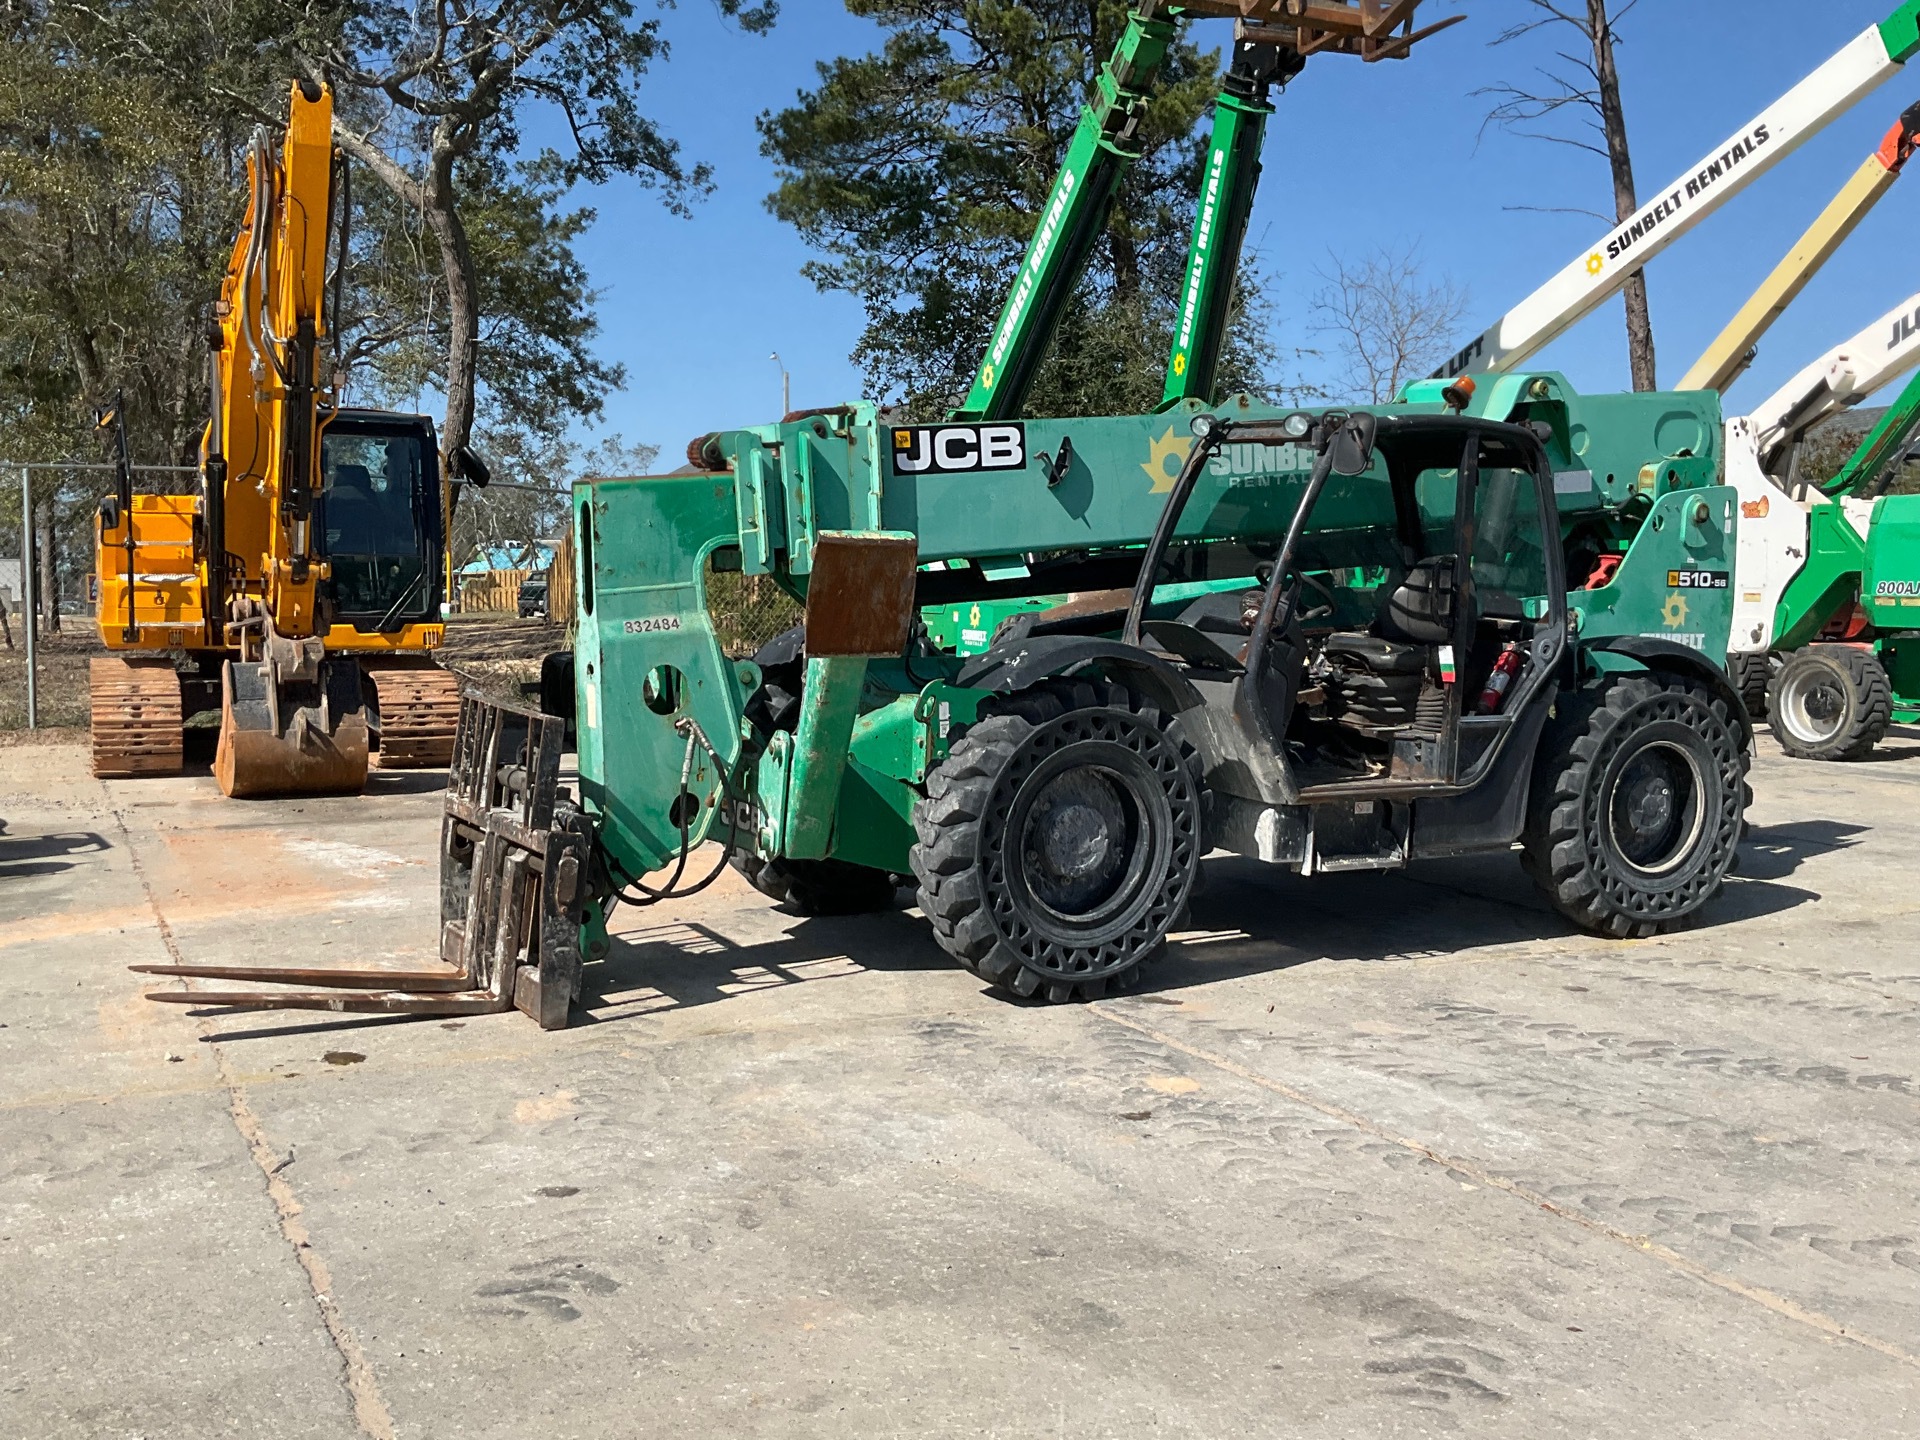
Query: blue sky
[(692, 308)]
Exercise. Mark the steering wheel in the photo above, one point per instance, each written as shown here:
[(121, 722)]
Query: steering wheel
[(1298, 581)]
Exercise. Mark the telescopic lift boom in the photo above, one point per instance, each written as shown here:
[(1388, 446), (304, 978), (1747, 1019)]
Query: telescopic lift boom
[(1601, 270), (1733, 350), (1274, 39)]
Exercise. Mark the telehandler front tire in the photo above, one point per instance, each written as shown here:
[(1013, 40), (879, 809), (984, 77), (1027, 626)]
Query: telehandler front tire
[(1059, 841), (1830, 702), (1638, 804)]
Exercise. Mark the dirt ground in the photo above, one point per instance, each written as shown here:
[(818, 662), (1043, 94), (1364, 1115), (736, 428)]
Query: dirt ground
[(497, 653)]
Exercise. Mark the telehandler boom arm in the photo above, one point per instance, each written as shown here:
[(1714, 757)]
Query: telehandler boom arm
[(1104, 148), (1240, 115)]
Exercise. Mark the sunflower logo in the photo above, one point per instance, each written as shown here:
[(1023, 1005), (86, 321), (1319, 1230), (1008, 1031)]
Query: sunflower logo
[(1595, 264), (1675, 611), (1180, 363), (1169, 447)]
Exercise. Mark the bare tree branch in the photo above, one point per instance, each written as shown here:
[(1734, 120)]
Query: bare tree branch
[(1586, 88), (1387, 323)]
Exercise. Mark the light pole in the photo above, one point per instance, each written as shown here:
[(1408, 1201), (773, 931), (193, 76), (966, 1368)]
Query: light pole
[(786, 386)]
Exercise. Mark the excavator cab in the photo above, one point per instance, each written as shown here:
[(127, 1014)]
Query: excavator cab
[(380, 519), (296, 715)]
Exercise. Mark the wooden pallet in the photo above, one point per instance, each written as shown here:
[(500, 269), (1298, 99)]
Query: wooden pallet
[(419, 712), (136, 716)]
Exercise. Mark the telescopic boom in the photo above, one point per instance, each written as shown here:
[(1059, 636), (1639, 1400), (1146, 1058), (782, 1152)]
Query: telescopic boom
[(1601, 270)]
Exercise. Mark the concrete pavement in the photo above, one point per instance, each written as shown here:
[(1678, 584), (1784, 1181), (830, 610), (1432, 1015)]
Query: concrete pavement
[(1367, 1156)]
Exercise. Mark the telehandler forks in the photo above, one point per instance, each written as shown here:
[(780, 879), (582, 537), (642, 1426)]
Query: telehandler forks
[(513, 864)]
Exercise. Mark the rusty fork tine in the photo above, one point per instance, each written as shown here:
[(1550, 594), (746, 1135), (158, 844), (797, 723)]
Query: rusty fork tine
[(392, 1002), (394, 980)]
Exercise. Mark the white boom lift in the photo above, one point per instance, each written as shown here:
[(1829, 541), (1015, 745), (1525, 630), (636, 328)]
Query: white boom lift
[(1733, 350), (1597, 273), (1761, 448)]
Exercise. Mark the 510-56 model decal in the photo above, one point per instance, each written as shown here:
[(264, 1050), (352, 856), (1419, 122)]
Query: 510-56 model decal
[(1699, 579)]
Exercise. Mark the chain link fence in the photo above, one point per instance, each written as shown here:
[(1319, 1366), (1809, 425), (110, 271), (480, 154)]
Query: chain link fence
[(747, 611), (48, 513)]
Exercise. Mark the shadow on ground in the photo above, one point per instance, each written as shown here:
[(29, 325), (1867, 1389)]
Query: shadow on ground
[(24, 855), (1248, 919)]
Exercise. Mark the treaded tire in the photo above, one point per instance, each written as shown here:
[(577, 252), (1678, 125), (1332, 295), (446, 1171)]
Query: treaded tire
[(819, 887), (990, 849), (1611, 853), (1830, 702), (1752, 676)]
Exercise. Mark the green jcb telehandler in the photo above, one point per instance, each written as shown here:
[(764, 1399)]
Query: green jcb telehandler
[(1334, 640)]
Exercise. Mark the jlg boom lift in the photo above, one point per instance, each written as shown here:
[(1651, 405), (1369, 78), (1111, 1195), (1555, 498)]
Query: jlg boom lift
[(1829, 574), (1330, 640), (303, 583)]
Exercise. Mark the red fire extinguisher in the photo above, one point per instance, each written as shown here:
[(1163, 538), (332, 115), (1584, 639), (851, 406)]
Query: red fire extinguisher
[(1505, 669)]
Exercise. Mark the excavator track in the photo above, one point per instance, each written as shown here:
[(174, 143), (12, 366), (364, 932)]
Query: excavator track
[(136, 715), (419, 707)]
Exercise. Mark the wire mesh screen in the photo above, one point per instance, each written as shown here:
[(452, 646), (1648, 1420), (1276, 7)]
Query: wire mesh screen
[(65, 509), (747, 611)]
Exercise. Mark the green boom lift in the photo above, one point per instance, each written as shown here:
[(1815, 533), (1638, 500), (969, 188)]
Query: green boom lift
[(1332, 640), (1847, 627)]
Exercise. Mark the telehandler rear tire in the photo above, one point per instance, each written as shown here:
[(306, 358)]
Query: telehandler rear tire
[(819, 887), (1639, 797), (1830, 702), (1059, 841)]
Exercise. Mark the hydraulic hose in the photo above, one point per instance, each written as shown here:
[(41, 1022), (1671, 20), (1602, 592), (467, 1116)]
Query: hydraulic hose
[(689, 727)]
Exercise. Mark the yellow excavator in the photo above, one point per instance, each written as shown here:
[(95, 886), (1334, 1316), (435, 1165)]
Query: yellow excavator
[(300, 589)]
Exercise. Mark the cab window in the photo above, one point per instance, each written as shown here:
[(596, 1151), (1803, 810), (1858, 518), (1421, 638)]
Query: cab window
[(1507, 553)]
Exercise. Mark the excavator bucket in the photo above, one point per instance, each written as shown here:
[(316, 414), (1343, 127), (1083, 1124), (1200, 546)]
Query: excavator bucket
[(291, 737), (513, 883)]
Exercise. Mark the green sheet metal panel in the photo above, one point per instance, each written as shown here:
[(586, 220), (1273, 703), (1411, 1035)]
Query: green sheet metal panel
[(1891, 585), (647, 657)]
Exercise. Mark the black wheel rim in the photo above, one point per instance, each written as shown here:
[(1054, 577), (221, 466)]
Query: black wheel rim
[(1087, 834), (1090, 844), (1655, 816)]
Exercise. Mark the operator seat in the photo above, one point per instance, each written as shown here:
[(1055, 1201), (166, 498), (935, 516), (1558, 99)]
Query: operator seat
[(1378, 673), (349, 514)]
